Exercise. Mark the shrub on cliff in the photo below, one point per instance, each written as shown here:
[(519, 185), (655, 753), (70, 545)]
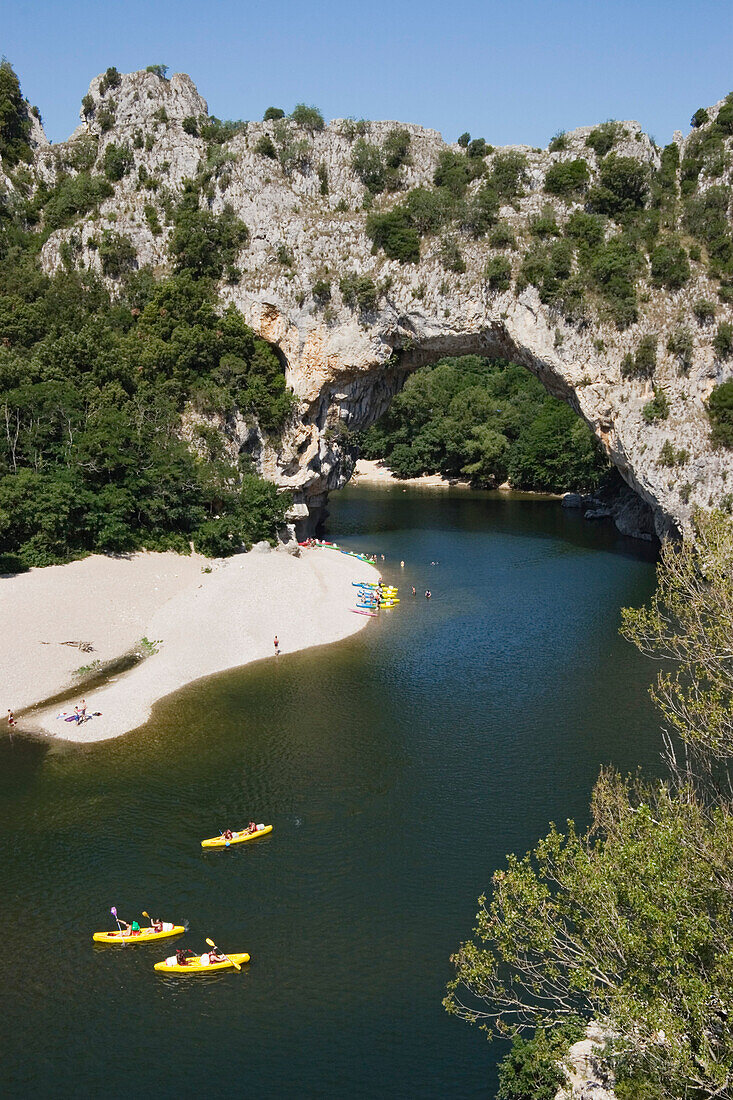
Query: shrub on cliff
[(508, 175), (723, 340), (642, 363), (567, 178), (73, 196), (111, 79), (308, 118), (117, 162), (15, 124), (359, 292), (202, 242), (395, 234), (603, 138), (670, 266), (622, 188), (273, 113), (720, 411), (368, 164), (117, 254)]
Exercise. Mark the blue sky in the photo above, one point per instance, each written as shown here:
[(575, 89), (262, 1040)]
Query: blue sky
[(505, 71)]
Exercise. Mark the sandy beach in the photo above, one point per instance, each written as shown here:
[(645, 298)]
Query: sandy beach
[(204, 622), (368, 472)]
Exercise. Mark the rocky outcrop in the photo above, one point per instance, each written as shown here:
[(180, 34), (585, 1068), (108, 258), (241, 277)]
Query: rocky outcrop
[(304, 207), (588, 1078)]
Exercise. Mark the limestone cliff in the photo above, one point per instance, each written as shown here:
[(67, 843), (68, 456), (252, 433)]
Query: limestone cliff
[(304, 205)]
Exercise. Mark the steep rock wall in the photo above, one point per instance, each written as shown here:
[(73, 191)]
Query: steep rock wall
[(305, 212)]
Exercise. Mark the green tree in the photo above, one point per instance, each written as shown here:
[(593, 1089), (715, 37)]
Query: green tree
[(309, 118), (15, 123), (720, 411)]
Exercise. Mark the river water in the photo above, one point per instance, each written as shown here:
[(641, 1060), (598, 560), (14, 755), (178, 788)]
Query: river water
[(398, 768)]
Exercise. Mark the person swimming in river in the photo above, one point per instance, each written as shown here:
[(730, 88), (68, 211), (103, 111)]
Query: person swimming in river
[(428, 594)]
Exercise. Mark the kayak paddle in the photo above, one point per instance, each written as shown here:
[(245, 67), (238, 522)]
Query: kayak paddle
[(211, 943), (113, 911)]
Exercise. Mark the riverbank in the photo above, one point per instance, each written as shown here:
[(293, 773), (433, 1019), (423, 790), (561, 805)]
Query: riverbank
[(368, 472), (199, 623)]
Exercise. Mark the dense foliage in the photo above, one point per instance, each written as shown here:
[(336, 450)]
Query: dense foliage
[(15, 123), (485, 421), (629, 922), (107, 402)]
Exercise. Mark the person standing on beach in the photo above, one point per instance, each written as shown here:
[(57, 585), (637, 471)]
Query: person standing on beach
[(11, 719), (277, 646), (83, 711)]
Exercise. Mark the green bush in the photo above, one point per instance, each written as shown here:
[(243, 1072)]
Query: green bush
[(508, 175), (464, 140), (699, 118), (117, 161), (273, 113), (74, 196), (498, 273), (359, 292), (308, 118), (544, 224), (704, 310), (369, 166), (622, 188), (322, 173), (724, 118), (450, 256), (720, 411), (202, 242), (613, 268), (111, 79), (530, 1071), (723, 340), (161, 71), (454, 172), (117, 254), (428, 211), (559, 142), (105, 118), (643, 363), (15, 125), (567, 178), (151, 217), (264, 147), (670, 266), (87, 105), (395, 233), (478, 148), (480, 212), (190, 126), (396, 147), (603, 138), (706, 217), (657, 408), (680, 344), (502, 236), (670, 456), (321, 291)]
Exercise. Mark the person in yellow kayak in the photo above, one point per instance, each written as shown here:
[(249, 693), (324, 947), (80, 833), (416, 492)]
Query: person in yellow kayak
[(183, 954), (228, 834), (251, 828), (156, 925)]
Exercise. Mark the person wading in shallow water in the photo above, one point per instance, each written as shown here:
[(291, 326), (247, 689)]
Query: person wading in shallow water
[(277, 646)]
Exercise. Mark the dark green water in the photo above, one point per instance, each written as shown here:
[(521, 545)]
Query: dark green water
[(398, 768)]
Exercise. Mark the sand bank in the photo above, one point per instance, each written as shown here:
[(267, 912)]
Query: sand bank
[(205, 623), (368, 472)]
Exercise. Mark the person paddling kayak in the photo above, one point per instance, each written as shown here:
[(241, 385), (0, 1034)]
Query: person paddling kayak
[(132, 929)]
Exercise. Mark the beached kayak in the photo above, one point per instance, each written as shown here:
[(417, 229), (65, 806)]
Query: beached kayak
[(237, 838), (359, 611), (145, 935), (193, 966)]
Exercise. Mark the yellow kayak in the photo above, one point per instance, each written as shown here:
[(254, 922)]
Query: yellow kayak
[(193, 966), (237, 838), (145, 935)]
